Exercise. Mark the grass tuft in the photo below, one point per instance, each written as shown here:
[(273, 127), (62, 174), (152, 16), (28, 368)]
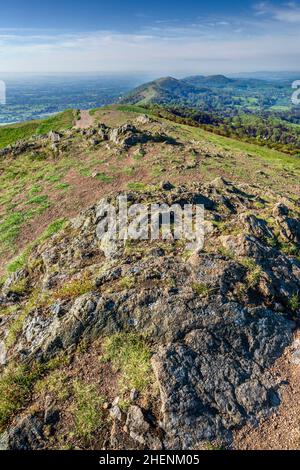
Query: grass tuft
[(87, 409), (75, 288), (201, 289), (130, 355), (294, 303)]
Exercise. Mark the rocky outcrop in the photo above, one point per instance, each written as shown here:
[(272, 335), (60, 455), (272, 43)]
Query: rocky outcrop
[(27, 434), (128, 135), (216, 320), (289, 226), (55, 143), (213, 380)]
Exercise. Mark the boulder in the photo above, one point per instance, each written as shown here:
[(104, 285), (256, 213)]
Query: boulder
[(27, 434)]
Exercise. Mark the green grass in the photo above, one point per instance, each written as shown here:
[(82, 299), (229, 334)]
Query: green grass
[(16, 326), (130, 355), (104, 178), (18, 177), (128, 108), (21, 260), (75, 288), (16, 386), (12, 133), (56, 384), (27, 174), (254, 272), (58, 122), (10, 227), (62, 186), (52, 229), (201, 289), (294, 303), (36, 189), (19, 287), (137, 186), (270, 155), (17, 263), (127, 282), (87, 409), (41, 199)]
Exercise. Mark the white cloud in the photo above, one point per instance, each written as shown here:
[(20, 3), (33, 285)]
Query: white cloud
[(286, 13), (206, 45)]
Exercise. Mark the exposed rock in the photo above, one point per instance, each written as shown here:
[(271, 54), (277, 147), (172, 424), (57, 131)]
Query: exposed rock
[(134, 394), (295, 359), (289, 226), (27, 434), (55, 137), (115, 413), (51, 416), (4, 441), (136, 424), (2, 353), (103, 131), (143, 119), (214, 333), (209, 382), (166, 186), (245, 246), (258, 227), (128, 135)]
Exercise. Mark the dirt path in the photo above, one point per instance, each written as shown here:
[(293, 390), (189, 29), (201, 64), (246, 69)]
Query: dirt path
[(85, 121), (281, 431)]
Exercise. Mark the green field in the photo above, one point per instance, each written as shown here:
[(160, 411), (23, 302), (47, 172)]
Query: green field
[(12, 133)]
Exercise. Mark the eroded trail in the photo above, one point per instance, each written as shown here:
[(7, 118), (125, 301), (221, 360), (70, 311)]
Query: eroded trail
[(85, 121)]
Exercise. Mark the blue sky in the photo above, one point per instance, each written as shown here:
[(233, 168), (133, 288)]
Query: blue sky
[(162, 37)]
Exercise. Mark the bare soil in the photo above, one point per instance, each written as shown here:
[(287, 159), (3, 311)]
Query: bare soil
[(281, 431), (85, 121)]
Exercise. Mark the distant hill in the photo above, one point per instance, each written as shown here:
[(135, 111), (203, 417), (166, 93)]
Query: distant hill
[(163, 90), (215, 93), (212, 80)]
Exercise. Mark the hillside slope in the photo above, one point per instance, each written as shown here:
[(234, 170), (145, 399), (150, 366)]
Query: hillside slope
[(51, 181), (144, 344), (253, 110), (215, 93), (10, 134)]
